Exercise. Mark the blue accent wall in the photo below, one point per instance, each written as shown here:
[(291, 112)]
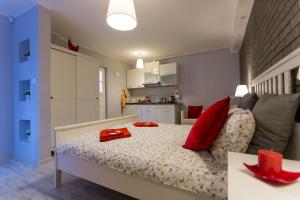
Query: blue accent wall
[(32, 115), (6, 89), (26, 118), (25, 106)]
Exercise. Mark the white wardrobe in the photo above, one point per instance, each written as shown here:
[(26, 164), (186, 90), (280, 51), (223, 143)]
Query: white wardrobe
[(74, 88)]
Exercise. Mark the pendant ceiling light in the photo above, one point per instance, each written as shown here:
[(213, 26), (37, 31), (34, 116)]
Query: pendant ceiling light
[(121, 15), (140, 62)]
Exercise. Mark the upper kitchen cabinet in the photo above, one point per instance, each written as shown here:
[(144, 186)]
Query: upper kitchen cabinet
[(153, 75), (135, 78), (152, 72), (169, 74)]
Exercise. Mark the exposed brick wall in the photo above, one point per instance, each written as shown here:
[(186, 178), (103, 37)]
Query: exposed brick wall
[(273, 32)]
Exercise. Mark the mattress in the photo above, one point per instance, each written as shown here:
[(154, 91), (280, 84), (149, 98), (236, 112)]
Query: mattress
[(156, 154)]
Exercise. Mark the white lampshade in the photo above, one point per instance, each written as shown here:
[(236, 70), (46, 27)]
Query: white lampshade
[(241, 90), (139, 63), (121, 15)]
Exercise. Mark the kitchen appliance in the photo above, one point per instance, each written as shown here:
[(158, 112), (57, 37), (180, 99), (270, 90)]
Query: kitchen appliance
[(171, 99), (163, 100)]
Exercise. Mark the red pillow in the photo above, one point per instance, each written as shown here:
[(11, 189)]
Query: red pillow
[(207, 127), (194, 112)]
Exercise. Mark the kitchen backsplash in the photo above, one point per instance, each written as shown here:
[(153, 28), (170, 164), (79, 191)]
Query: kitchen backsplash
[(155, 93)]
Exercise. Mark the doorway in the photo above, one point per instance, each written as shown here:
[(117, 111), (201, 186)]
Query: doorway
[(102, 93)]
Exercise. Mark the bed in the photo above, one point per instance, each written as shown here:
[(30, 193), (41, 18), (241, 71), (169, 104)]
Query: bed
[(149, 165), (157, 167)]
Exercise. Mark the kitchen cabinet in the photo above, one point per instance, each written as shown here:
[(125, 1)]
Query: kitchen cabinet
[(167, 114), (169, 74), (135, 78), (152, 75), (151, 72), (131, 109), (148, 113)]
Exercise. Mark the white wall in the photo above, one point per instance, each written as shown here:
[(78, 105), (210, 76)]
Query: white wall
[(114, 84), (45, 82), (6, 89)]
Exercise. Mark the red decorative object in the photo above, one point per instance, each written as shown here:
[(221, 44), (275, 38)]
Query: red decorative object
[(145, 124), (207, 127), (112, 134), (194, 112), (270, 168), (284, 177), (269, 162), (71, 45)]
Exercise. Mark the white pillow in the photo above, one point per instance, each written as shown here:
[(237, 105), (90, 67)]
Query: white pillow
[(235, 135)]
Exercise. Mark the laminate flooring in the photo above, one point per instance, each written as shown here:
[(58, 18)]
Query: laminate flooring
[(19, 181)]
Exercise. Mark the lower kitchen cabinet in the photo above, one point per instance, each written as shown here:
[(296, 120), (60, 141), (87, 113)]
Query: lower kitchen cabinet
[(130, 109), (168, 114), (148, 113)]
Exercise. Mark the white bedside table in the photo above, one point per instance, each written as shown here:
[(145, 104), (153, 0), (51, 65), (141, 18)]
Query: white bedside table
[(243, 185)]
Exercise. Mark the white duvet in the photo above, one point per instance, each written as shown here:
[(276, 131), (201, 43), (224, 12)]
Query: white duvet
[(156, 154)]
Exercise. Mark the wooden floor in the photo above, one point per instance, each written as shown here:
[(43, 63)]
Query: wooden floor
[(20, 181)]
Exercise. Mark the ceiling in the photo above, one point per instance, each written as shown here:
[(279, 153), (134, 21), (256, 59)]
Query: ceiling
[(165, 27)]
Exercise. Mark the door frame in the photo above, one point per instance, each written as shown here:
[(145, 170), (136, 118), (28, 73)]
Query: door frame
[(105, 89)]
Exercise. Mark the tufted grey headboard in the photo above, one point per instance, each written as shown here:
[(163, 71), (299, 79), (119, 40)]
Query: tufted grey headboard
[(277, 80)]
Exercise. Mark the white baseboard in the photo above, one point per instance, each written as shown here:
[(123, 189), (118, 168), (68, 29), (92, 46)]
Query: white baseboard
[(44, 161)]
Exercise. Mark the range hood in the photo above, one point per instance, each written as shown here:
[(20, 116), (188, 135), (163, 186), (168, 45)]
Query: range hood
[(152, 84)]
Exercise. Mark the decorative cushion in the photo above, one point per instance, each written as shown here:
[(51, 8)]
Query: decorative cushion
[(274, 116), (194, 112), (235, 135), (207, 127), (248, 101)]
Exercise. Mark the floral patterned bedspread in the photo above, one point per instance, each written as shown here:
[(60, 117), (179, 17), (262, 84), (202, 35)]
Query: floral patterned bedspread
[(156, 154)]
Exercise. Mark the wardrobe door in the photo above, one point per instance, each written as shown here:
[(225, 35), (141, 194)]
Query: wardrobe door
[(63, 112), (87, 90), (63, 75), (87, 110), (63, 89)]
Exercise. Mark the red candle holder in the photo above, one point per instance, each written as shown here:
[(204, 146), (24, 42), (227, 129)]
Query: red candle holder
[(269, 168), (269, 162)]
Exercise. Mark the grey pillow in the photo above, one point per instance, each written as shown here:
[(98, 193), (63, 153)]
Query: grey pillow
[(274, 116), (248, 101)]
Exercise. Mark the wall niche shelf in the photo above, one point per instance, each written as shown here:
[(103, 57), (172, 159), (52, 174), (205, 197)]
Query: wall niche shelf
[(24, 90), (24, 48), (24, 130)]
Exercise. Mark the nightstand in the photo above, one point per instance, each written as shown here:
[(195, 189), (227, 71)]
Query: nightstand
[(243, 185)]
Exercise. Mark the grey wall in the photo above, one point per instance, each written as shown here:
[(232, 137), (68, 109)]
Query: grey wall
[(273, 31), (114, 84), (6, 88), (204, 77)]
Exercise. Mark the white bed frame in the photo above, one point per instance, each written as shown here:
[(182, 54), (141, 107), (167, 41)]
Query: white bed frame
[(133, 186), (276, 80)]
